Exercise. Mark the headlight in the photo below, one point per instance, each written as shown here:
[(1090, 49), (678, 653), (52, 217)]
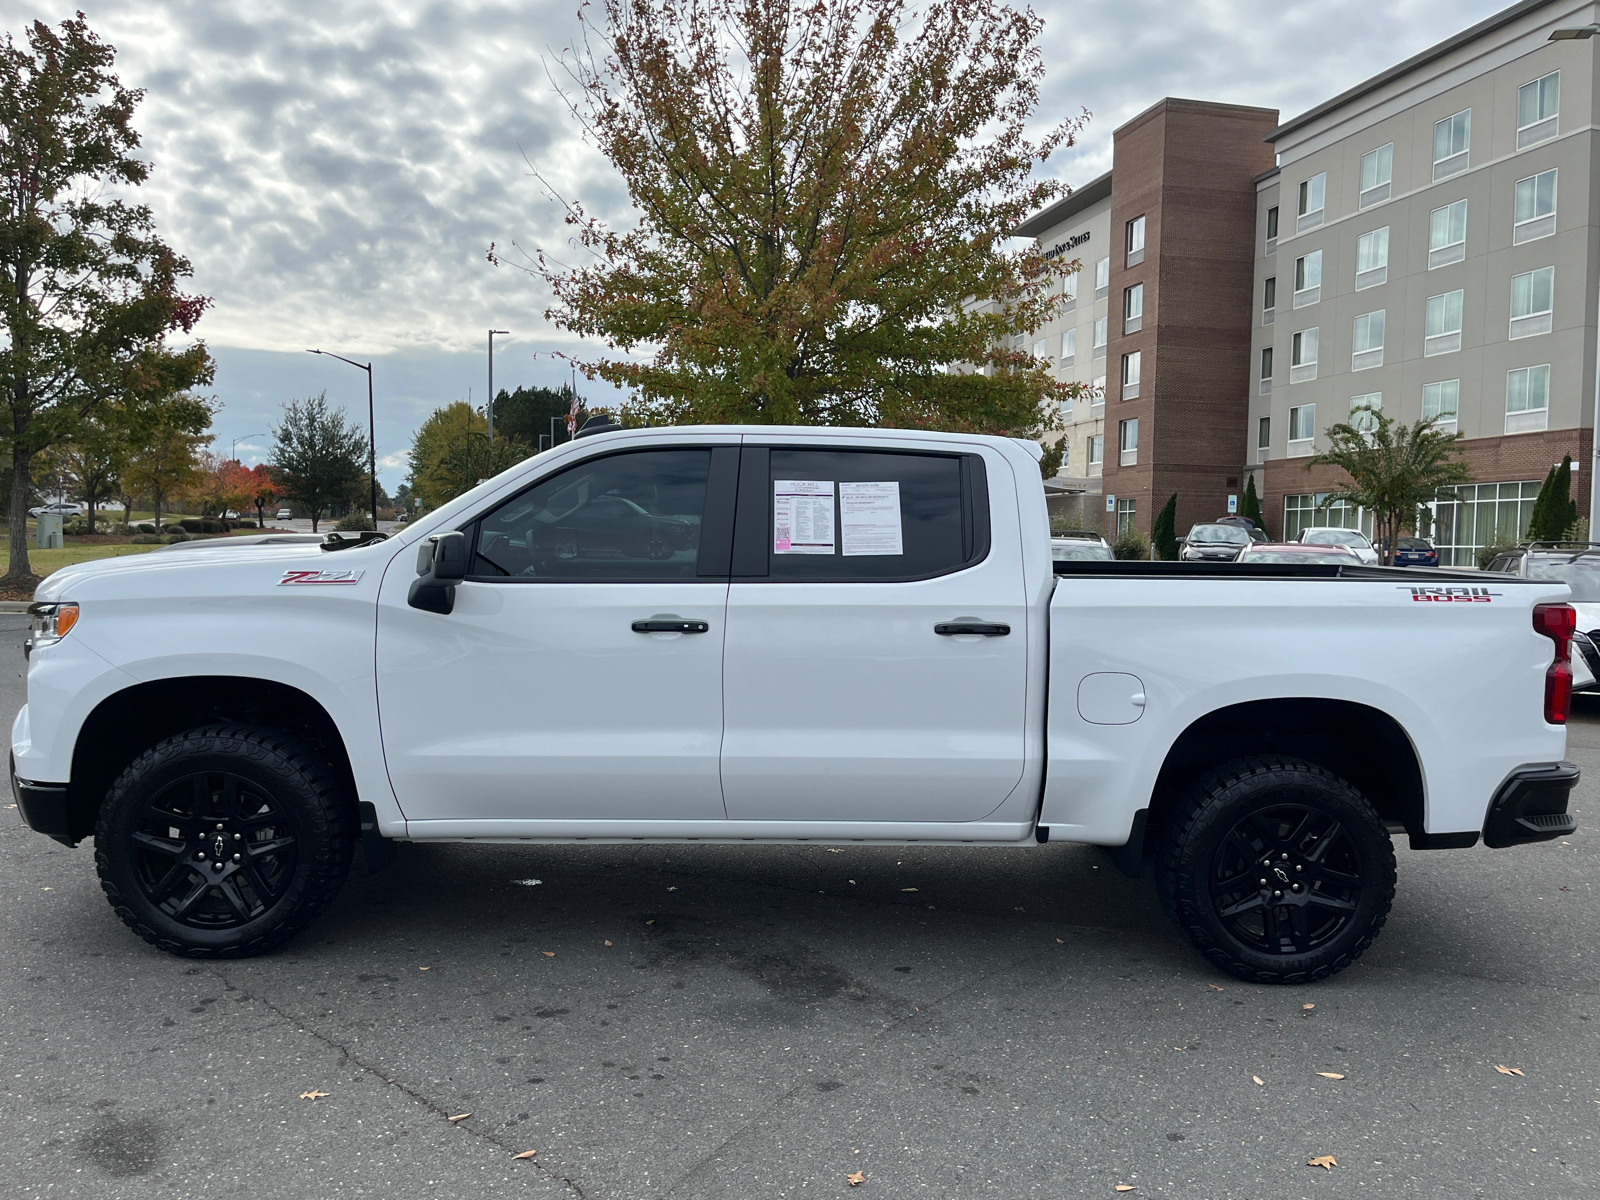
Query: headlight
[(51, 622)]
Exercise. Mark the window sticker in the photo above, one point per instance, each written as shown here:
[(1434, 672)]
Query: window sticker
[(802, 516), (869, 518)]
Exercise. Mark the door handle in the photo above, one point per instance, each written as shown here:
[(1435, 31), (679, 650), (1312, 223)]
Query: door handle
[(982, 628), (674, 625)]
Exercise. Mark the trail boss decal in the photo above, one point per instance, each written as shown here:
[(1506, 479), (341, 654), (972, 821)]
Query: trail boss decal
[(1453, 595), (320, 577)]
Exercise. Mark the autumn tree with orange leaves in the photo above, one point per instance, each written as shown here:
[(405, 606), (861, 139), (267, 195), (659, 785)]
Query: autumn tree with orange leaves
[(825, 195)]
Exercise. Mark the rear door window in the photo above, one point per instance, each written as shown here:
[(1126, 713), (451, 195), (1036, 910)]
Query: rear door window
[(860, 515)]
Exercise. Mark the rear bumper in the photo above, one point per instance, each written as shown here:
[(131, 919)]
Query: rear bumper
[(1531, 805), (43, 807)]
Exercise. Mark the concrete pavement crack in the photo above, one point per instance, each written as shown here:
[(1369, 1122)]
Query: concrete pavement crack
[(483, 1133)]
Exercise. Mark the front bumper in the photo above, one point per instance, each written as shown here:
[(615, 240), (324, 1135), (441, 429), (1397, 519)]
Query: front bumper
[(43, 807), (1531, 806)]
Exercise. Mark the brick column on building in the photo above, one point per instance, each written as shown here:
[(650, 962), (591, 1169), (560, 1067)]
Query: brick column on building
[(1189, 169)]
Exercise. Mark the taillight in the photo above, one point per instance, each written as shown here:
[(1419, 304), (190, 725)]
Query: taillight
[(1557, 622)]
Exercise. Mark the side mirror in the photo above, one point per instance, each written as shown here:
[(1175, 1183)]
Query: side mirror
[(441, 564)]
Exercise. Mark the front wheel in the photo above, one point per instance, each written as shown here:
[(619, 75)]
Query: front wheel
[(223, 841), (1277, 870)]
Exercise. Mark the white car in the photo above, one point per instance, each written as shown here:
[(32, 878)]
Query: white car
[(745, 635), (284, 515), (1332, 535), (64, 508)]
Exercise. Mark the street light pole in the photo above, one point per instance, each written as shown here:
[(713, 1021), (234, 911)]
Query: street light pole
[(489, 408), (233, 451), (372, 429)]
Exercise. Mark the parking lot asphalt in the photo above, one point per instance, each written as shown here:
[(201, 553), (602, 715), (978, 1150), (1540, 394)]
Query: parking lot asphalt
[(744, 1022)]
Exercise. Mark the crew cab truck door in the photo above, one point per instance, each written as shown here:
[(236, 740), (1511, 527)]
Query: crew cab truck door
[(876, 660), (579, 675)]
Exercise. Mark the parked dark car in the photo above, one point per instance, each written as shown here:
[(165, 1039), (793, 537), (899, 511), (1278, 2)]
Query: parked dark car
[(1257, 534), (1214, 542), (1415, 552)]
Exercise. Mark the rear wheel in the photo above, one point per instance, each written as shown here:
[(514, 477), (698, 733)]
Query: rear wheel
[(1277, 870), (223, 841)]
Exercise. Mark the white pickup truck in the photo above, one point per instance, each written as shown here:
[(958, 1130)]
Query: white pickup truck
[(784, 635)]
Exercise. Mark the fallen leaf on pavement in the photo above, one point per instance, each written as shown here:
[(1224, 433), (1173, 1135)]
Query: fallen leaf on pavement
[(1330, 1074), (525, 1154), (1307, 1007), (649, 922), (1509, 1071), (548, 953), (1326, 1161), (314, 1095), (1126, 1187), (459, 1117), (1214, 987), (856, 1178), (424, 968), (1259, 1082), (831, 850), (908, 889), (672, 889), (1059, 942), (608, 941), (528, 882)]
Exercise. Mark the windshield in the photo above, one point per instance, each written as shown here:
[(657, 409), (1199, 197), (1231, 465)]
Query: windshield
[(1337, 537), (1414, 544), (1080, 550), (1581, 575), (1231, 534)]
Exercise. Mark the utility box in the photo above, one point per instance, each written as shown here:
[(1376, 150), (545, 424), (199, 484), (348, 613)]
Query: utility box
[(49, 532)]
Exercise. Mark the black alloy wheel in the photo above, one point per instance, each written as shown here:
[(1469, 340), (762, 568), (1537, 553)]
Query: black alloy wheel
[(1277, 870), (224, 841)]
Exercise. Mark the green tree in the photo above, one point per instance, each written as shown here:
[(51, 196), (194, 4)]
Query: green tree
[(1554, 510), (531, 413), (96, 458), (1164, 533), (1393, 469), (824, 195), (88, 292), (319, 456), (1250, 507), (165, 461), (450, 453)]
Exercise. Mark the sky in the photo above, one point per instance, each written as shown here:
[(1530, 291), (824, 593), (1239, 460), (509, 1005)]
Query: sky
[(336, 171)]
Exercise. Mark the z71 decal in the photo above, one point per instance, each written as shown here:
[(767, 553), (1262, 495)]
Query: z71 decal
[(1453, 595), (321, 577)]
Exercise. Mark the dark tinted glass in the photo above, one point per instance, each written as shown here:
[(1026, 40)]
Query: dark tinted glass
[(625, 517), (927, 494)]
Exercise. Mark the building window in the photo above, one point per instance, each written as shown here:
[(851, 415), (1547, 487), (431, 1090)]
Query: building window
[(1538, 104), (1372, 258), (1130, 374), (1532, 302), (1302, 429), (1535, 209), (1097, 447), (1065, 408), (1303, 356), (1440, 402), (1097, 405), (1069, 292), (1135, 241), (1128, 442), (1069, 347), (1263, 437), (1308, 279), (1368, 351), (1133, 308), (1308, 511), (1100, 337), (1377, 170), (1447, 234), (1474, 515), (1127, 517), (1102, 278), (1441, 333), (1041, 350), (1269, 299), (1452, 137), (1272, 229), (1362, 409), (1309, 214), (1266, 370), (1528, 399)]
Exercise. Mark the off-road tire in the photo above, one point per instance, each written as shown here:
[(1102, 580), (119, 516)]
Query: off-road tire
[(1200, 843), (273, 771)]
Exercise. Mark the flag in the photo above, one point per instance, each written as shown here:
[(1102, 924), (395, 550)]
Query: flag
[(572, 414)]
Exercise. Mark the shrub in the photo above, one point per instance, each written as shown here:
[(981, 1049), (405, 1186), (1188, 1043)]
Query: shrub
[(191, 525), (174, 538), (146, 527), (1489, 553), (172, 528), (1131, 545), (77, 526), (147, 539), (246, 523), (354, 522)]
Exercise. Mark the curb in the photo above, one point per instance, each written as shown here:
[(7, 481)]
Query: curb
[(14, 606)]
